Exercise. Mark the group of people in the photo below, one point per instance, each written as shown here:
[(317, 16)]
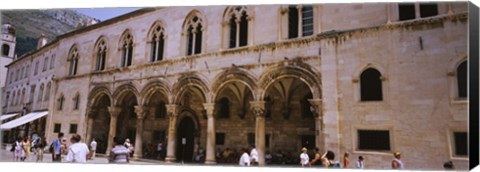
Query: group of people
[(23, 147)]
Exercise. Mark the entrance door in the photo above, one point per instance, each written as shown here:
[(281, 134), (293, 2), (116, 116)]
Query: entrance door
[(185, 131)]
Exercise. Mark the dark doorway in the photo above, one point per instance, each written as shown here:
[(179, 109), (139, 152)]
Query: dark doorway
[(186, 129), (308, 141)]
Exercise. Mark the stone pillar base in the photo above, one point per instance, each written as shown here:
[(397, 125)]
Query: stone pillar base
[(210, 162), (170, 159)]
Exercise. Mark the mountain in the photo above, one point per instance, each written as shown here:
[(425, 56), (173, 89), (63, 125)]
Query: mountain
[(30, 24)]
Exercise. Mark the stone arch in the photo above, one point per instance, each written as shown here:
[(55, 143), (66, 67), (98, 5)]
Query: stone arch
[(155, 87), (304, 73), (155, 24), (123, 36), (96, 93), (187, 81), (191, 14), (233, 75), (359, 70), (122, 90)]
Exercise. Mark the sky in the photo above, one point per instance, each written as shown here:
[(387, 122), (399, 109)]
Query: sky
[(105, 13)]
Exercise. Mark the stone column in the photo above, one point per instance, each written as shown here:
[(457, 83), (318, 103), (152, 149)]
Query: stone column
[(172, 111), (112, 132), (90, 113), (316, 109), (210, 158), (417, 10), (258, 109), (141, 113)]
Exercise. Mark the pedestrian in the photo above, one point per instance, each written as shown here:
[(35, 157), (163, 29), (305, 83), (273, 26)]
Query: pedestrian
[(317, 161), (93, 148), (23, 152), (253, 155), (40, 145), (27, 146), (129, 146), (360, 163), (304, 159), (448, 165), (396, 162), (346, 160), (78, 151), (119, 153), (56, 148), (328, 160), (159, 150), (17, 150), (268, 157), (245, 158)]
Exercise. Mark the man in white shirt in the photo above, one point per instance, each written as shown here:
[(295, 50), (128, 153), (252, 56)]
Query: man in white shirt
[(304, 159), (244, 159), (253, 155), (93, 148), (77, 152)]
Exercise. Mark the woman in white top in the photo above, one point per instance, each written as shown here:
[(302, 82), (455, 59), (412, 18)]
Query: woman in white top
[(244, 159), (304, 159), (396, 162)]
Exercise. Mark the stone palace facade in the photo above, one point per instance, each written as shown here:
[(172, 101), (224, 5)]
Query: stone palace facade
[(369, 79)]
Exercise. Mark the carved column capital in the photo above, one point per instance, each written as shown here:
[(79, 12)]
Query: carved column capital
[(209, 107), (114, 111), (172, 110), (258, 108), (141, 111), (316, 107)]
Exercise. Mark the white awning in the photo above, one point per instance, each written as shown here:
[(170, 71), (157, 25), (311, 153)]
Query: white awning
[(23, 120), (6, 116)]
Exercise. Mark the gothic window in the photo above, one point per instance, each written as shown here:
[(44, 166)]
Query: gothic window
[(52, 61), (300, 21), (45, 64), (194, 32), (5, 49), (238, 23), (36, 67), (60, 100), (40, 93), (223, 108), (158, 42), (76, 102), (47, 92), (127, 50), (462, 80), (371, 85), (101, 55), (73, 58)]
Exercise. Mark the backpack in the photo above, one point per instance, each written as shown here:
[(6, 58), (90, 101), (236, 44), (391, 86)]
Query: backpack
[(50, 149)]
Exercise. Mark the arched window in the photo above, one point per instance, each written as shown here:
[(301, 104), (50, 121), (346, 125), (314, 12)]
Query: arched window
[(73, 58), (300, 21), (76, 102), (40, 93), (223, 108), (238, 22), (194, 32), (13, 99), (5, 49), (462, 80), (27, 71), (127, 50), (158, 42), (101, 55), (371, 85), (52, 61), (45, 64), (60, 100), (47, 92)]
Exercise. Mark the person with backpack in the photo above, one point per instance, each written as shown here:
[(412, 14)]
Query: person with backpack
[(56, 148), (39, 146)]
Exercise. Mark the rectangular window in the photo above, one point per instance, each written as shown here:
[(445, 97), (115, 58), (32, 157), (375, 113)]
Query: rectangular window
[(307, 20), (292, 22), (73, 128), (76, 102), (45, 64), (428, 9), (219, 138), (251, 139), (56, 128), (461, 144), (374, 140), (406, 11), (36, 68)]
